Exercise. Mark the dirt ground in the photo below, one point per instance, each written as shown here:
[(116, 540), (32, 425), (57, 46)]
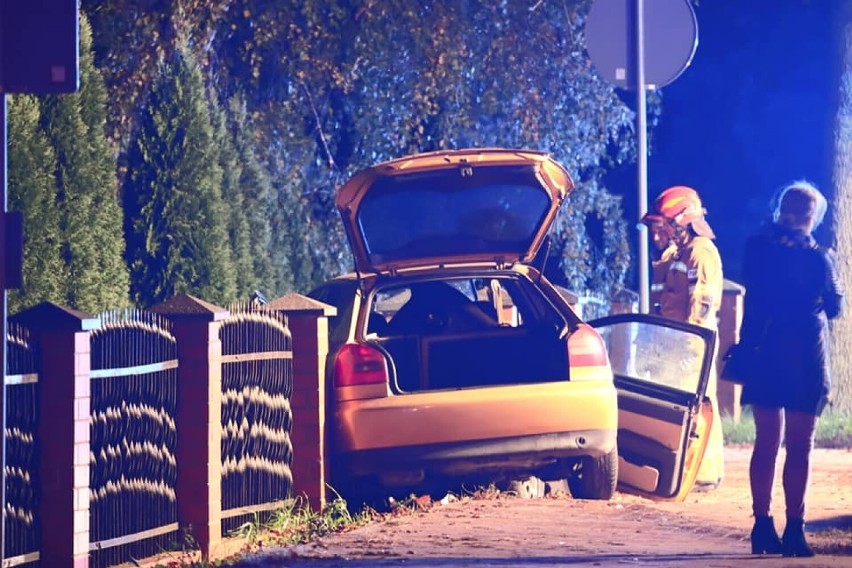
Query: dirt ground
[(708, 529)]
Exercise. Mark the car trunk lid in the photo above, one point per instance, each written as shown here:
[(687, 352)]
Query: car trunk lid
[(452, 207)]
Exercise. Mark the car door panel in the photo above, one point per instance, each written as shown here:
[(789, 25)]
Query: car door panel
[(661, 369)]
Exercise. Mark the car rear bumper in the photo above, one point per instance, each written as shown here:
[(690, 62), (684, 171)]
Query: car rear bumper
[(452, 417), (518, 454)]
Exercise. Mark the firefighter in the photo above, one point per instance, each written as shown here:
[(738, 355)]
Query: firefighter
[(686, 285)]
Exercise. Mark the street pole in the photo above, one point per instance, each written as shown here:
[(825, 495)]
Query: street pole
[(3, 276), (642, 152), (3, 306)]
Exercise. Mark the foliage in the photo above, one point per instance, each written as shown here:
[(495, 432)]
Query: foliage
[(90, 216), (294, 523), (133, 38), (834, 429), (234, 203), (282, 101), (378, 80), (175, 223), (32, 191), (841, 213), (270, 270)]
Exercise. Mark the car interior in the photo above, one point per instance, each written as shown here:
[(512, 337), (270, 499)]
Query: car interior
[(442, 337)]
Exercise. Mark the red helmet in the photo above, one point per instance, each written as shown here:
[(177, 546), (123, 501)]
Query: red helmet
[(680, 205)]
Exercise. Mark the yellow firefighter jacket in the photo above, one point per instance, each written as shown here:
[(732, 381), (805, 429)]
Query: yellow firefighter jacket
[(687, 283)]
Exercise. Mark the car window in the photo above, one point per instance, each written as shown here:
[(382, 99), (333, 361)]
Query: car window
[(498, 210), (387, 302), (662, 355), (498, 299)]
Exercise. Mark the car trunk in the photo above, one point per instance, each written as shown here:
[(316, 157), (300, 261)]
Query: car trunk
[(499, 356)]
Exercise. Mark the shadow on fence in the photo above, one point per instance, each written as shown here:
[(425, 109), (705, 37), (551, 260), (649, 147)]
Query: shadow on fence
[(128, 431)]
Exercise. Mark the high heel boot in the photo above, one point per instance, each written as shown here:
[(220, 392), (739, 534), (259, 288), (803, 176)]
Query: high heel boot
[(793, 542), (764, 539)]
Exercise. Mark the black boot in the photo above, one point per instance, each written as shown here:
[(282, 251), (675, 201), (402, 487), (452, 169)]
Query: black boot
[(793, 541), (764, 539)]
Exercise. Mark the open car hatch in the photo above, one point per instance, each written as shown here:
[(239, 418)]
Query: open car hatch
[(452, 207), (661, 369)]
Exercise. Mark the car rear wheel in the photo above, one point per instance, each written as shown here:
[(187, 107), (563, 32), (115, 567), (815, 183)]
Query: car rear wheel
[(595, 478)]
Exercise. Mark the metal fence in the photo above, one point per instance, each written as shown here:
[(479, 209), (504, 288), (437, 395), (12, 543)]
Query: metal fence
[(133, 435), (22, 529), (115, 413), (257, 382)]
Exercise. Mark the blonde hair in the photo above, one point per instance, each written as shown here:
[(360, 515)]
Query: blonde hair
[(800, 205)]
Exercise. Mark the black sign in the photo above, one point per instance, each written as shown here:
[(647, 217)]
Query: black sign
[(39, 46)]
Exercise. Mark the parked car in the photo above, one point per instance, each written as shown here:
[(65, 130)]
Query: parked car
[(453, 358)]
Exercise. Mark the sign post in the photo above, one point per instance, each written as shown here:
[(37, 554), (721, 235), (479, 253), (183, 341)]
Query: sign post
[(39, 54), (641, 45)]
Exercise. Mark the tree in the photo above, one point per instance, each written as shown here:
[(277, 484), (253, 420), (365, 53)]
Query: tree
[(32, 191), (133, 37), (234, 202), (270, 270), (367, 82), (841, 362), (91, 218), (467, 73), (175, 222), (333, 86)]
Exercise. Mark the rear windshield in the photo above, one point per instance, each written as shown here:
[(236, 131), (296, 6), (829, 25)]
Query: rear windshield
[(445, 214)]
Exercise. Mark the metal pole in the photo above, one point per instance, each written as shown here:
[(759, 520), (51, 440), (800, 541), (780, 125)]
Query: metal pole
[(3, 203), (642, 155), (3, 325)]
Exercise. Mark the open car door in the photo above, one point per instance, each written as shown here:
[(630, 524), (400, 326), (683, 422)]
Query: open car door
[(661, 369)]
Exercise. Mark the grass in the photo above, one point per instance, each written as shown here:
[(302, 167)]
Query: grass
[(834, 430)]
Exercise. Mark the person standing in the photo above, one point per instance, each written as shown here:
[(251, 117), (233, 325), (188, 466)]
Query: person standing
[(686, 285), (792, 289)]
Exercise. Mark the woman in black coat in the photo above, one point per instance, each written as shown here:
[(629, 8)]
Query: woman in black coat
[(792, 290)]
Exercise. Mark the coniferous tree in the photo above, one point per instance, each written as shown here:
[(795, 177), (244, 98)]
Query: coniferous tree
[(91, 218), (32, 191), (175, 222), (271, 271), (234, 202)]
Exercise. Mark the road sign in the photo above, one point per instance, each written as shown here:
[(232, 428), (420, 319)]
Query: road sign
[(670, 32), (39, 46)]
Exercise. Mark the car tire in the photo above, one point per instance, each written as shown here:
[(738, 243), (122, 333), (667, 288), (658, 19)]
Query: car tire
[(595, 477)]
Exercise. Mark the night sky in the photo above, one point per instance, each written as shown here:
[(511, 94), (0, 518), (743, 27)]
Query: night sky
[(753, 111)]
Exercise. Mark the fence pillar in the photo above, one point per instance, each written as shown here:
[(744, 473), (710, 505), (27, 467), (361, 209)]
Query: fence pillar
[(730, 320), (63, 430), (199, 417), (308, 323)]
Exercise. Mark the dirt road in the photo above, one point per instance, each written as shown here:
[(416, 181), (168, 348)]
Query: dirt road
[(708, 529)]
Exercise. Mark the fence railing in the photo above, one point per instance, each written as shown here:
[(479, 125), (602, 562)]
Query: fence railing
[(257, 382), (22, 528), (133, 468), (111, 422)]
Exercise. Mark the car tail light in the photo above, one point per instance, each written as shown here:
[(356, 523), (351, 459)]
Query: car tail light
[(359, 365), (586, 348)]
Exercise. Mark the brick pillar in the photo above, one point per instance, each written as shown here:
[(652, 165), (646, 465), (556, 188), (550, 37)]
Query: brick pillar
[(63, 431), (308, 323), (730, 320), (199, 417)]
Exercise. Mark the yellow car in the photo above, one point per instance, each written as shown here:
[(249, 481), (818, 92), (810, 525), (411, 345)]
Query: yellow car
[(452, 357)]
